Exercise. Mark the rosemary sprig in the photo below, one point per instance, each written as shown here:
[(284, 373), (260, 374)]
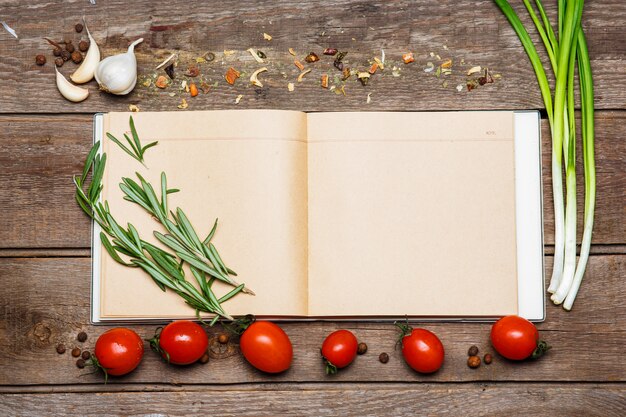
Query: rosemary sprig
[(202, 256), (165, 268), (136, 150)]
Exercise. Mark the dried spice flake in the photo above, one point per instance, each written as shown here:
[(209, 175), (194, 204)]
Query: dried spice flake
[(459, 88), (238, 99), (267, 37), (193, 90), (229, 52), (205, 87), (345, 74), (330, 51), (364, 77), (338, 63), (380, 63), (298, 64), (474, 70), (183, 104), (302, 74), (324, 81), (168, 59), (256, 56), (232, 75), (447, 64), (169, 70), (373, 68), (292, 52), (312, 57), (192, 71), (133, 108), (429, 67), (254, 77), (291, 87), (161, 82), (369, 98), (408, 57)]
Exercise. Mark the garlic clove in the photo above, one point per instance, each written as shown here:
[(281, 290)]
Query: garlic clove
[(85, 72), (117, 74), (70, 91)]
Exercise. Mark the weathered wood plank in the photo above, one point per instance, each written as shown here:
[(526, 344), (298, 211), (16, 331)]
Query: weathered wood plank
[(335, 399), (473, 31), (46, 301), (39, 155)]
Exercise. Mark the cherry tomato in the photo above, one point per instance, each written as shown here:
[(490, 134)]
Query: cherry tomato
[(516, 338), (181, 342), (422, 350), (339, 350), (118, 351), (267, 347)]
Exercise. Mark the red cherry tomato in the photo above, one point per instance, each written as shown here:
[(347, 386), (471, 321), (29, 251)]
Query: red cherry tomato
[(267, 347), (182, 342), (339, 350), (514, 337), (118, 351), (422, 350)]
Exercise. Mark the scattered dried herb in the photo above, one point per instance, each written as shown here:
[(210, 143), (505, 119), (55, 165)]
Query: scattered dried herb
[(40, 60), (338, 63), (299, 65), (408, 57), (254, 80), (363, 77), (447, 64), (474, 70), (232, 75), (193, 90), (267, 37), (261, 54), (192, 71), (169, 70), (256, 56), (312, 57), (472, 84), (302, 74), (292, 52), (291, 87), (238, 99), (330, 51), (345, 74), (205, 87), (183, 104)]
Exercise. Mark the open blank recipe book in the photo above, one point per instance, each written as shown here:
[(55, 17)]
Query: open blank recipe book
[(339, 215)]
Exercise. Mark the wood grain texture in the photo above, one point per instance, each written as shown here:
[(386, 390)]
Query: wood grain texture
[(39, 155), (46, 302), (473, 31), (587, 400)]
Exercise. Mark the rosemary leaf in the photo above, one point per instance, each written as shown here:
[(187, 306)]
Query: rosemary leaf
[(231, 294), (188, 228), (89, 161), (210, 236), (121, 145), (107, 245)]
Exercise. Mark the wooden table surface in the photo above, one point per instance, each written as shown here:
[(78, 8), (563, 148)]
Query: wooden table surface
[(44, 238)]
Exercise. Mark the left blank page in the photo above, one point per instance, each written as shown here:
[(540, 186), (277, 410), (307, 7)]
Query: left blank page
[(247, 168)]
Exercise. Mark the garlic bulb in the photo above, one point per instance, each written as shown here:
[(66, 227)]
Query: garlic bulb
[(117, 74), (70, 91), (85, 72)]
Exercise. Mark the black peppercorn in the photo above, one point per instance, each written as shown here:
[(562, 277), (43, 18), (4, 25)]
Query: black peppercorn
[(473, 362), (383, 357), (473, 351), (77, 57), (60, 348), (78, 27), (83, 46), (56, 51), (76, 352), (361, 349), (487, 359), (204, 359), (40, 60), (223, 338), (69, 46), (80, 363), (81, 337), (59, 62), (85, 355), (65, 55)]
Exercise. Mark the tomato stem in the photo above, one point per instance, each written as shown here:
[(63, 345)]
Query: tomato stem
[(156, 346), (405, 330), (330, 368), (93, 361), (540, 350), (240, 325)]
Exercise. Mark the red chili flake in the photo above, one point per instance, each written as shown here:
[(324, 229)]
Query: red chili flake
[(330, 51), (325, 81), (373, 68), (338, 60), (299, 65), (161, 82), (312, 57), (205, 87), (231, 75), (408, 57), (193, 71), (193, 90), (345, 73)]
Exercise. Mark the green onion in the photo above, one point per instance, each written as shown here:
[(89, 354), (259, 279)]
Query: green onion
[(563, 53)]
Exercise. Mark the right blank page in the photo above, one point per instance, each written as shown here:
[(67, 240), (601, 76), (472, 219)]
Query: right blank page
[(412, 214)]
